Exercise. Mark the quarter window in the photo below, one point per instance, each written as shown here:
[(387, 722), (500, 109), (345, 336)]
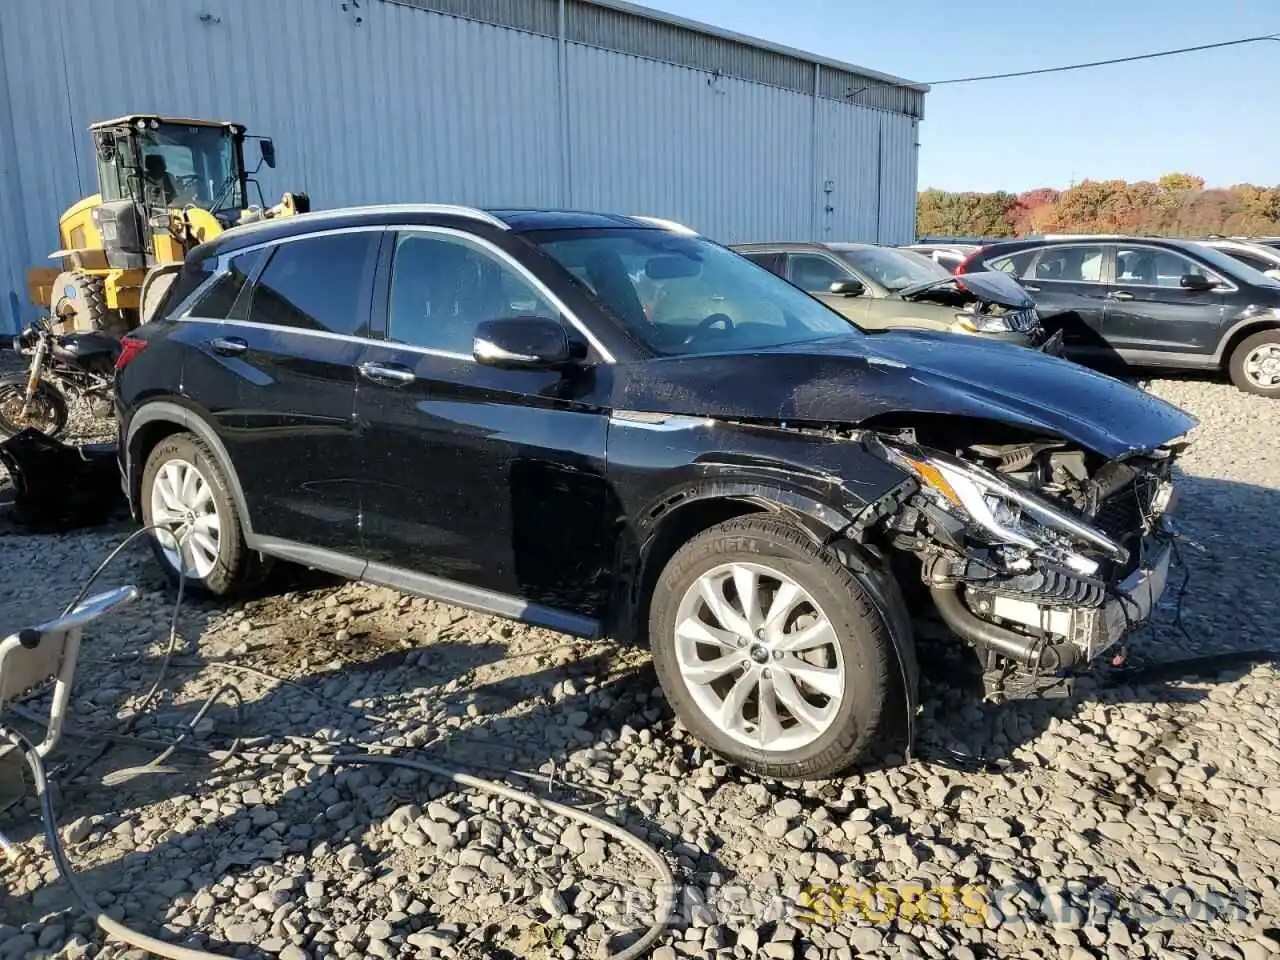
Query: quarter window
[(443, 287), (1016, 264), (318, 283), (1151, 267), (225, 299), (1081, 264), (815, 274), (773, 262)]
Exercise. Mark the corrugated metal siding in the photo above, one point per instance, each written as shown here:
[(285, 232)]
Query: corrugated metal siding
[(427, 106), (726, 157)]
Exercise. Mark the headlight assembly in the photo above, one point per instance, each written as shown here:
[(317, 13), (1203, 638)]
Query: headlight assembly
[(1005, 513), (982, 323)]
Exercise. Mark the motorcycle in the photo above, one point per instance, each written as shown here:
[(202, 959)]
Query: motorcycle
[(78, 366)]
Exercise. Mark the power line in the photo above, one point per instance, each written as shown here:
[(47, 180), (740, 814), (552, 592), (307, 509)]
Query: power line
[(1105, 63)]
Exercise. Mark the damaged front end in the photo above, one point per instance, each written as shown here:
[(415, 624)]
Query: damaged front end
[(1038, 553)]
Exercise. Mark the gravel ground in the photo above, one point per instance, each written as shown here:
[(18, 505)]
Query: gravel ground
[(1139, 818)]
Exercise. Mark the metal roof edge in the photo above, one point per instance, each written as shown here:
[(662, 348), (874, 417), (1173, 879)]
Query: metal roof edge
[(697, 26)]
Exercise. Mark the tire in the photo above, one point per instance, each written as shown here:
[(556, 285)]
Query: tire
[(155, 290), (842, 729), (48, 412), (79, 303), (1255, 364), (218, 563)]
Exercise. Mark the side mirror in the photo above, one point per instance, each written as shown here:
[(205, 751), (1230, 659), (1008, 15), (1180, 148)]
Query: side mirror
[(528, 343), (268, 149), (1196, 281), (847, 288)]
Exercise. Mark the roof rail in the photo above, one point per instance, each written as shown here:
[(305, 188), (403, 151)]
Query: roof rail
[(671, 225), (449, 209)]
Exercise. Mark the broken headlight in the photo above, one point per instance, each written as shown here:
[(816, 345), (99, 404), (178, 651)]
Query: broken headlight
[(1004, 513), (982, 323)]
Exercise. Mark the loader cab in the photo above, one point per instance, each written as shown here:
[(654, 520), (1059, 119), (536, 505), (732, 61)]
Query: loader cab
[(162, 165)]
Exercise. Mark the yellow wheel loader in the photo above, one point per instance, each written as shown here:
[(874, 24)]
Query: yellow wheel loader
[(165, 185)]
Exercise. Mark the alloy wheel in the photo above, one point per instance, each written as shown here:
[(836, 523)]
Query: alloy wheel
[(182, 502), (759, 656)]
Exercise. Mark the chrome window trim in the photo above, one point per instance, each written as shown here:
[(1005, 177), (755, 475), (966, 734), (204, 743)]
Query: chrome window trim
[(1225, 285), (1036, 251), (183, 312)]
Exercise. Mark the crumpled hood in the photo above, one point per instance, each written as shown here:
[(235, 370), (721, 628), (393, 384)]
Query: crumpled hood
[(848, 380), (988, 285)]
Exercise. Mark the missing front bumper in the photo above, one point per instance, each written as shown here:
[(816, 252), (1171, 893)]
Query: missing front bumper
[(1094, 630)]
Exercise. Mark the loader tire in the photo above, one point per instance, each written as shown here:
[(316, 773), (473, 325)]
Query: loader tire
[(79, 303)]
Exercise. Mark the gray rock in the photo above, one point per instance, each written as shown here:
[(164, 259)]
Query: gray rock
[(776, 828), (801, 838)]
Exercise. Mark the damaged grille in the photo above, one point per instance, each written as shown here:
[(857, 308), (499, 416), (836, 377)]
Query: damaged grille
[(1023, 321)]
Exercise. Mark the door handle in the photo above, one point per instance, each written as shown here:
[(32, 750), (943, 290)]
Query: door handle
[(1119, 295), (387, 374), (228, 346), (1027, 286)]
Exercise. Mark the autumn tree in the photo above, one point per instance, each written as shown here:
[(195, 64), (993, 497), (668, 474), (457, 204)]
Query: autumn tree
[(1178, 204)]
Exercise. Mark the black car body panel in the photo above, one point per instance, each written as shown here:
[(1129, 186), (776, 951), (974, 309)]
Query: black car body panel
[(855, 379), (555, 492)]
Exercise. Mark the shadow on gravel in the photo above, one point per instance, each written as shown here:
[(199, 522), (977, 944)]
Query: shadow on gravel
[(328, 808)]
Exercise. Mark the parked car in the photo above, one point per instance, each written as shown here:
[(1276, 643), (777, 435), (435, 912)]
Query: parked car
[(946, 255), (1150, 302), (885, 287), (1263, 258), (611, 426)]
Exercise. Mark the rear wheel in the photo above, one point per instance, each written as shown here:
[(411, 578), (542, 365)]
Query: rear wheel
[(47, 411), (185, 492), (1255, 364), (79, 303), (771, 652)]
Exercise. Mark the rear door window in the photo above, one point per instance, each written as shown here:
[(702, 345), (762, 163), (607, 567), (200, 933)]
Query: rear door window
[(1015, 264), (321, 284), (773, 262), (1076, 264), (226, 299)]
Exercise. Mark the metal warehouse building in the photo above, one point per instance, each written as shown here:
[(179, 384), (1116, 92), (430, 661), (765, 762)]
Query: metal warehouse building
[(590, 104)]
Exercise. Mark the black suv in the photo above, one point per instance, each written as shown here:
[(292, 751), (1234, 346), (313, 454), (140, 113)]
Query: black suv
[(1150, 302), (612, 426)]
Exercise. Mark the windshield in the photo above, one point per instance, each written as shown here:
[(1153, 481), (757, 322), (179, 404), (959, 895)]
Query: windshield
[(189, 164), (894, 269), (684, 295), (1234, 268)]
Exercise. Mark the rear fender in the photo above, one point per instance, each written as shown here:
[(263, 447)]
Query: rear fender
[(184, 418)]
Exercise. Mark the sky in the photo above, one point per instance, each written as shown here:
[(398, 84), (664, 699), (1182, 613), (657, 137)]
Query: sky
[(1213, 114)]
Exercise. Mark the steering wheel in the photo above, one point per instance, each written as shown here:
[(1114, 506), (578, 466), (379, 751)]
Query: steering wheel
[(708, 323)]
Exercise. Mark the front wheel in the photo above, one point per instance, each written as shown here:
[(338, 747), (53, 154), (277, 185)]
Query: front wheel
[(771, 652), (46, 412), (1255, 364)]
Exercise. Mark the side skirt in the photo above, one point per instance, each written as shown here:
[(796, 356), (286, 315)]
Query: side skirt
[(432, 588)]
